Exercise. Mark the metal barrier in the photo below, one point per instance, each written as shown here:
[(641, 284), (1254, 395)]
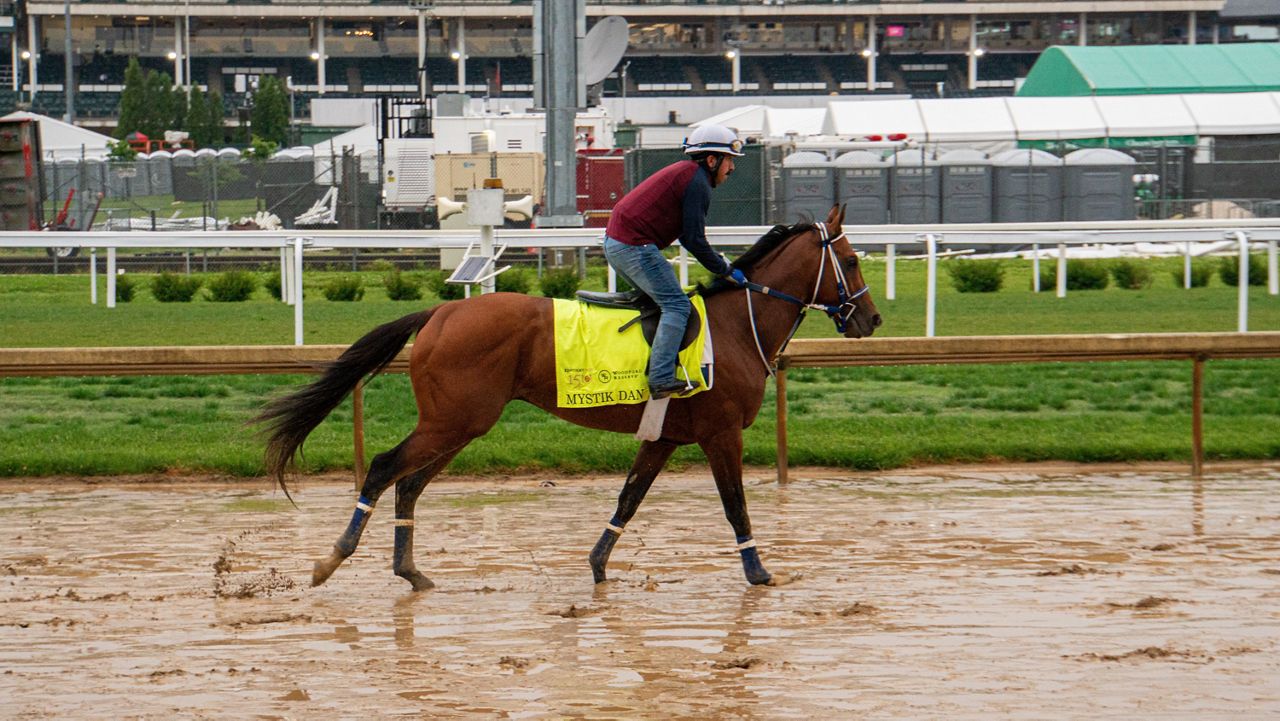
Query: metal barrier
[(1195, 347)]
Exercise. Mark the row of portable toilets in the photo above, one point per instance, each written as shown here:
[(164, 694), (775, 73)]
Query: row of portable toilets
[(960, 186)]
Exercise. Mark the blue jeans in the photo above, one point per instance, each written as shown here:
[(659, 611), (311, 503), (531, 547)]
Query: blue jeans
[(644, 267)]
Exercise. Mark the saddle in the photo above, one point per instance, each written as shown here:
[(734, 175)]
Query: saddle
[(648, 310)]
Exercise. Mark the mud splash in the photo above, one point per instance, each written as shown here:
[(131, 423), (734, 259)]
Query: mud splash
[(964, 595)]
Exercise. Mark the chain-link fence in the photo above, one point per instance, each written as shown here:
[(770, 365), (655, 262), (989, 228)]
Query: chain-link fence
[(209, 190)]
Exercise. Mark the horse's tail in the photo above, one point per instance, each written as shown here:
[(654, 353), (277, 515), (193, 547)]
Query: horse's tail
[(288, 420)]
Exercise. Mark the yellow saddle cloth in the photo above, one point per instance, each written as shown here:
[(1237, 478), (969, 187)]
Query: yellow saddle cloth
[(598, 366)]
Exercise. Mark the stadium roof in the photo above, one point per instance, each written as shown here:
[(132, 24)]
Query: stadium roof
[(1154, 69)]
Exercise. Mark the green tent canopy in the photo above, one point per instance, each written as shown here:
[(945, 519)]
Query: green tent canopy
[(1064, 70)]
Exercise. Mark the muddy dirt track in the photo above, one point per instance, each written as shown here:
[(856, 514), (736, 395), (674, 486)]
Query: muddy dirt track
[(957, 594)]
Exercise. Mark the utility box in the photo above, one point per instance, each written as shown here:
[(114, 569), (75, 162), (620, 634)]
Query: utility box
[(914, 189), (966, 186), (862, 185), (1099, 185), (484, 206), (1027, 187), (21, 175), (808, 186)]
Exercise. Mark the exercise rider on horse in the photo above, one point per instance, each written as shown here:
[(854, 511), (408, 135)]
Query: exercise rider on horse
[(672, 205)]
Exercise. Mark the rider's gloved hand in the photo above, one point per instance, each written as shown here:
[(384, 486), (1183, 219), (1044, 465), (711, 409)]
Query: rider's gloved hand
[(737, 278)]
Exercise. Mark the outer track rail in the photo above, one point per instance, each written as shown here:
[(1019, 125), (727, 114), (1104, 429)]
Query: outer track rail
[(1195, 347)]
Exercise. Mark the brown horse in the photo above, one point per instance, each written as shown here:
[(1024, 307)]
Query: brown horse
[(474, 356)]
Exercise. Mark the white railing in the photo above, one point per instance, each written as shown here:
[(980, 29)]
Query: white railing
[(933, 240)]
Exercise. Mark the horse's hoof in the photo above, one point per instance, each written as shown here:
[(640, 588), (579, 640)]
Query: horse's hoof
[(780, 579), (598, 575), (323, 569), (418, 581)]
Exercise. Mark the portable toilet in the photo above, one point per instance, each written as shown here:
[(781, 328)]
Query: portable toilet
[(1027, 187), (808, 186), (914, 189), (862, 184), (966, 186), (1099, 185)]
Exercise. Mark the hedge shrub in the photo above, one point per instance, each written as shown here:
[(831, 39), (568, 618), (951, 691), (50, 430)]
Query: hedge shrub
[(976, 276), (440, 289), (1081, 275), (1229, 270), (233, 286), (173, 288), (344, 288), (1200, 274), (1131, 274), (400, 286), (560, 283)]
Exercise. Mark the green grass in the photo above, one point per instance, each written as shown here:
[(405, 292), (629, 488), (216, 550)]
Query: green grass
[(866, 418)]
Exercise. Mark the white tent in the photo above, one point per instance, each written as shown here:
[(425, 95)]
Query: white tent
[(746, 120), (362, 139), (857, 120), (801, 122), (1055, 118), (1143, 116), (61, 140), (966, 120), (1235, 113)]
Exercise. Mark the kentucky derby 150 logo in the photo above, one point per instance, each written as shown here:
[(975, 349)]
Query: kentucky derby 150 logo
[(604, 376)]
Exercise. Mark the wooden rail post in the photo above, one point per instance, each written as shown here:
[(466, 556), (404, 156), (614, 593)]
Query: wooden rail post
[(357, 423), (1197, 416), (780, 381)]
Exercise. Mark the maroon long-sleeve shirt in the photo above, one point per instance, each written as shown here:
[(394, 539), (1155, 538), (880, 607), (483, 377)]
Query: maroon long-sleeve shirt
[(667, 206)]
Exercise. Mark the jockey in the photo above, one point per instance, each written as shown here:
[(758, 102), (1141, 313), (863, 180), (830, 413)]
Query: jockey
[(672, 205)]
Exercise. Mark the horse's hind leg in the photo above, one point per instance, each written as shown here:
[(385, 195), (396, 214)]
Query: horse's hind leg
[(649, 462), (407, 491), (724, 453), (382, 473)]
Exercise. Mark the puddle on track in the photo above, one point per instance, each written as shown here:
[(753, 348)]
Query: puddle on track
[(963, 595)]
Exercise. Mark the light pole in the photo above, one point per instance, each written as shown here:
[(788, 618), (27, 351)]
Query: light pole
[(623, 74), (69, 84), (974, 54), (734, 54), (177, 66)]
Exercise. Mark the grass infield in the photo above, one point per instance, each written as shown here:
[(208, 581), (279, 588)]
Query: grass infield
[(865, 418)]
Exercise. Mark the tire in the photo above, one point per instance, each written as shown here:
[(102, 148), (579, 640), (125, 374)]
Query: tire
[(62, 252)]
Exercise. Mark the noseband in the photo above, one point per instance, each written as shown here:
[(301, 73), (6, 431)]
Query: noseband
[(840, 314)]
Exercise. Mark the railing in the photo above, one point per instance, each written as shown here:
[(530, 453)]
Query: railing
[(1236, 236), (1196, 347)]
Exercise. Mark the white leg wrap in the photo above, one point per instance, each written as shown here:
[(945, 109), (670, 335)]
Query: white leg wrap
[(747, 544), (364, 507), (404, 522), (615, 529), (655, 412)]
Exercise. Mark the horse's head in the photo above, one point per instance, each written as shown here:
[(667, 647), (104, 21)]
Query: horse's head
[(824, 256)]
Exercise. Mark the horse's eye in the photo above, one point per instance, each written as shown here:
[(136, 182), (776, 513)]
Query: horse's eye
[(851, 262)]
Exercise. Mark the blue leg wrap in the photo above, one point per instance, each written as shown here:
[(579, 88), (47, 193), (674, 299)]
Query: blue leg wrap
[(404, 535), (346, 545), (751, 564)]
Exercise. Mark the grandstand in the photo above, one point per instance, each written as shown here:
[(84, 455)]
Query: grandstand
[(677, 48)]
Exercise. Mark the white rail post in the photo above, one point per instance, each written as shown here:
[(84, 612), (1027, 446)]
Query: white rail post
[(1186, 266), (1062, 270), (93, 276), (684, 268), (890, 272), (612, 276), (1273, 272), (1242, 283), (297, 291), (488, 285), (931, 285), (286, 270), (1035, 267), (111, 277)]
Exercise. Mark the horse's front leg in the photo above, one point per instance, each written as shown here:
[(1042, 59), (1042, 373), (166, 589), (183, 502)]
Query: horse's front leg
[(648, 464), (724, 453)]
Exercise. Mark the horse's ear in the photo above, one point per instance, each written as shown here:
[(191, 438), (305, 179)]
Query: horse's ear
[(833, 215), (842, 209)]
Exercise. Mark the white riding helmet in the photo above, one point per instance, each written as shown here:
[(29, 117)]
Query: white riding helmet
[(713, 139)]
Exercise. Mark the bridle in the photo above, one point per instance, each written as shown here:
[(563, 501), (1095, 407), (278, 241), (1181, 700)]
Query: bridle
[(840, 314)]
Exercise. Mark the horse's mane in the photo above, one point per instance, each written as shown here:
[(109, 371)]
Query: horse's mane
[(768, 243)]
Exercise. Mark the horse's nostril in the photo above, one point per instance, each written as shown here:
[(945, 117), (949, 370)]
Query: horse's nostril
[(875, 321)]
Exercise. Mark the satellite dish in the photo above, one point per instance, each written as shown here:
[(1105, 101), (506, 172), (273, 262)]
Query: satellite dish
[(602, 48)]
